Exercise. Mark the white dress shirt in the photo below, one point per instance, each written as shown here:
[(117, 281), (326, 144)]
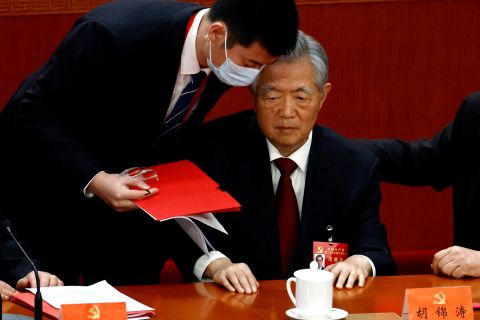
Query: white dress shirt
[(300, 157)]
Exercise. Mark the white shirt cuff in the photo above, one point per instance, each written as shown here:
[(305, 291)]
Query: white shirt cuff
[(374, 271), (85, 192), (203, 262)]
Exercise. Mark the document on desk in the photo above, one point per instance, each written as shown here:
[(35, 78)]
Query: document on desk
[(99, 292)]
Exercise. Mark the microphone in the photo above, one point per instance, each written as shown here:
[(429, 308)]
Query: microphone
[(38, 296)]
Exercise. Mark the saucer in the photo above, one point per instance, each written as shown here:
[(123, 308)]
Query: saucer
[(334, 314)]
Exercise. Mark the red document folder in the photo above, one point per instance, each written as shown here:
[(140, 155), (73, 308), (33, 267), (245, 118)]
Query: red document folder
[(184, 189)]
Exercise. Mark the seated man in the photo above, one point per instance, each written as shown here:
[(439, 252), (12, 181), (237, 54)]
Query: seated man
[(334, 183), (450, 158), (14, 268)]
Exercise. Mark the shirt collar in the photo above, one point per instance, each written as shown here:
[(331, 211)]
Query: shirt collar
[(300, 156), (189, 63)]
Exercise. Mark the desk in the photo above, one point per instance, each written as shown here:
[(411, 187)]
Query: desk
[(208, 301)]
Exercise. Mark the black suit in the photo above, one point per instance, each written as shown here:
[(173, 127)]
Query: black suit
[(450, 158), (97, 104), (13, 265), (341, 189)]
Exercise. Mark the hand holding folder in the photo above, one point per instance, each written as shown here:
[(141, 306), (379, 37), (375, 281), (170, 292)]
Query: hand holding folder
[(184, 189), (185, 192)]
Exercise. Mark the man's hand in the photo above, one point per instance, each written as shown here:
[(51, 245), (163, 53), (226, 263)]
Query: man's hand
[(349, 271), (46, 280), (118, 190), (5, 290), (457, 262), (233, 276)]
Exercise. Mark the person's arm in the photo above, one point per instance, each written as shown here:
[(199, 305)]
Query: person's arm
[(457, 262), (18, 271), (424, 162)]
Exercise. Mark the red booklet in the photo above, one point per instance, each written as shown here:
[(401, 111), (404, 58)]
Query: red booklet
[(184, 189)]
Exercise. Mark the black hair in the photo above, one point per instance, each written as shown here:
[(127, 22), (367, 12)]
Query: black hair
[(273, 23)]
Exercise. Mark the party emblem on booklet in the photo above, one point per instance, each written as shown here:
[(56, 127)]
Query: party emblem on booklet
[(327, 253), (95, 311)]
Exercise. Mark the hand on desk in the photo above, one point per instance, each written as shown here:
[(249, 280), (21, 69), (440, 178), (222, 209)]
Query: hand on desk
[(46, 280), (29, 281), (233, 276), (349, 271), (5, 290), (457, 262), (118, 190)]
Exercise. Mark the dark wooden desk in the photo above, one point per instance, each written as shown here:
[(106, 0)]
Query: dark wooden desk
[(208, 301)]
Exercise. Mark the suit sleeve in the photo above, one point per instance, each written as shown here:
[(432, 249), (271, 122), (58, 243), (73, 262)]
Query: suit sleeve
[(47, 109), (425, 162), (369, 236), (13, 265)]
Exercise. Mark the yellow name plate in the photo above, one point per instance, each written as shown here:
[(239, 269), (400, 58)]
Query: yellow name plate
[(94, 311), (439, 303)]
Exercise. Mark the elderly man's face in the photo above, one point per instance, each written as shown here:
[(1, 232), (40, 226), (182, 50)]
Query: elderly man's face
[(287, 103)]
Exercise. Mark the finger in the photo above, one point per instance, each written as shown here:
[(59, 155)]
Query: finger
[(222, 279), (232, 278), (448, 268), (437, 258), (253, 282), (5, 286), (459, 272), (361, 280), (245, 283), (44, 279), (352, 277), (342, 277)]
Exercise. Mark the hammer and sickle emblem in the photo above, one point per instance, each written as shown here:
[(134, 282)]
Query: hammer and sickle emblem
[(439, 298), (319, 249), (94, 313)]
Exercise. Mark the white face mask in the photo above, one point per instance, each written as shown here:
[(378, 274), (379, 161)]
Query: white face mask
[(231, 73)]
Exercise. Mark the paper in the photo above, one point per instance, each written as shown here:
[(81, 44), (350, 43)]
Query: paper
[(96, 293)]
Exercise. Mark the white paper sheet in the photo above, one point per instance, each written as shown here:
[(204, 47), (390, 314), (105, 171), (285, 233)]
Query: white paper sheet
[(96, 293)]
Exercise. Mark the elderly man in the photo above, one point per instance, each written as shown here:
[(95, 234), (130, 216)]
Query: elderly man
[(334, 183)]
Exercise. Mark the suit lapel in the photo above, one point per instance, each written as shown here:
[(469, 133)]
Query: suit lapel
[(316, 210), (257, 177)]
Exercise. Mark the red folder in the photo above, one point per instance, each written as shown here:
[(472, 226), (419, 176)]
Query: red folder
[(184, 189)]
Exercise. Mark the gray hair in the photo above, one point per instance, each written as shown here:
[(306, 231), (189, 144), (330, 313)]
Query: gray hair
[(307, 47)]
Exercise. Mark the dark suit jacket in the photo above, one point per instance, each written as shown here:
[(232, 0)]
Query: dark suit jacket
[(13, 265), (450, 158), (341, 189), (97, 104)]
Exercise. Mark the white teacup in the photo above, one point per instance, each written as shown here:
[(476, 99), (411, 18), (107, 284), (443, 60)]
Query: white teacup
[(313, 292)]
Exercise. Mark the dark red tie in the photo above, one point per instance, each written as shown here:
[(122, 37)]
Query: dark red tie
[(287, 212)]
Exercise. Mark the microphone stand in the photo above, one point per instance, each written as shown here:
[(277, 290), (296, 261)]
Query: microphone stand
[(38, 296)]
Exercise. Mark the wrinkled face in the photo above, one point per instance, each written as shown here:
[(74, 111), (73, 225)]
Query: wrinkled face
[(287, 103)]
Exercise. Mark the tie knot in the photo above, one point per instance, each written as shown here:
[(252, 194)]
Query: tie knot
[(286, 166)]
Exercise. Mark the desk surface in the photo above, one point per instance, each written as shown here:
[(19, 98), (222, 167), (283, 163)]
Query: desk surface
[(208, 301)]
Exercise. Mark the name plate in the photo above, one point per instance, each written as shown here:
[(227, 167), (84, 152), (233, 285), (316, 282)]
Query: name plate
[(94, 311), (439, 303)]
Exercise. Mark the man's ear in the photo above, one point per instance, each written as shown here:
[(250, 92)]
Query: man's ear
[(216, 32), (326, 89)]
